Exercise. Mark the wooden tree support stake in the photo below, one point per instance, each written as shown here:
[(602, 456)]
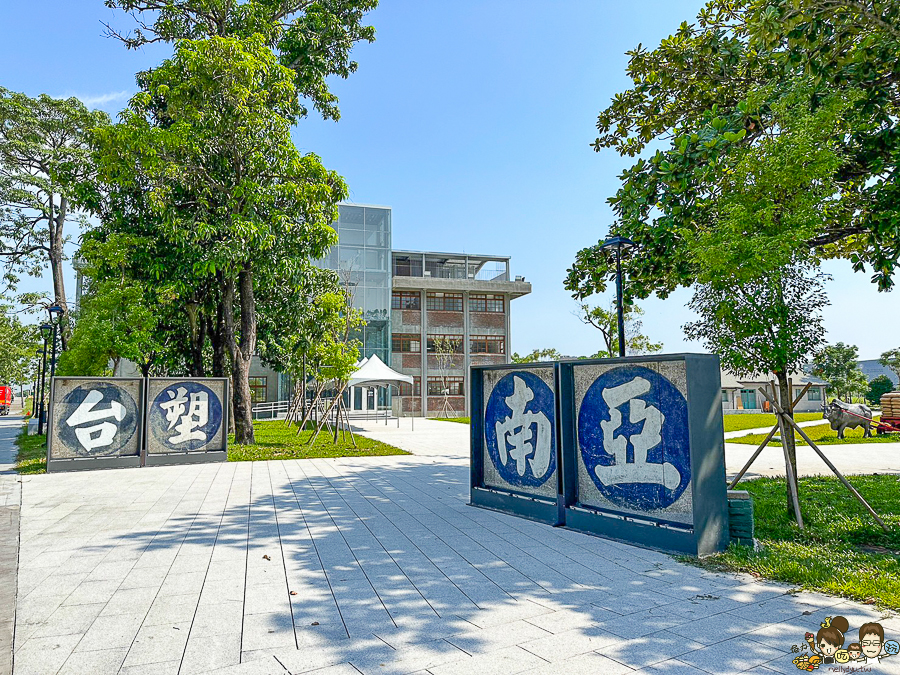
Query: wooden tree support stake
[(765, 442), (831, 466)]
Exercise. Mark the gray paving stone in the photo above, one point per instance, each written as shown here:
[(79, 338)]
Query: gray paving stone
[(101, 662), (738, 653), (110, 632), (39, 656), (498, 662), (641, 652), (591, 663), (211, 652)]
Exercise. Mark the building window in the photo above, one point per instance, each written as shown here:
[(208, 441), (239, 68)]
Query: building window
[(446, 386), (488, 344), (724, 396), (444, 302), (486, 303), (258, 390), (814, 394), (406, 342), (451, 344), (414, 389), (405, 300)]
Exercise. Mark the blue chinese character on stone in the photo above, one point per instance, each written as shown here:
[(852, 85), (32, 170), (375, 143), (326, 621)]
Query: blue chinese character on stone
[(519, 428), (185, 416), (633, 435)]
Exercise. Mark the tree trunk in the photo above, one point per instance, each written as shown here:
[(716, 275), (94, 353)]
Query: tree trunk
[(56, 222), (241, 350), (787, 436), (198, 337), (217, 339)]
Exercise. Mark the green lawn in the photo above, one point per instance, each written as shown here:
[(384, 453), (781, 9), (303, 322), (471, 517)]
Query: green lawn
[(274, 440), (756, 421), (461, 420), (822, 434), (843, 551), (32, 455)]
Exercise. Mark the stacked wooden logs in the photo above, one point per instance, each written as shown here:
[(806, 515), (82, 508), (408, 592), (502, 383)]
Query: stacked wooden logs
[(890, 405)]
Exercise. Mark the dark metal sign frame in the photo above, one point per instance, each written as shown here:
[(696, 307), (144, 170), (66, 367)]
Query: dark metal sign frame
[(142, 456), (701, 525), (190, 456), (56, 463)]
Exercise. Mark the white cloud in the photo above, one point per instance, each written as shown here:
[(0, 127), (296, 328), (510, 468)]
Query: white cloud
[(103, 99)]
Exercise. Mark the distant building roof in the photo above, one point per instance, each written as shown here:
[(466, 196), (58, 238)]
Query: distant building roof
[(872, 369), (731, 381)]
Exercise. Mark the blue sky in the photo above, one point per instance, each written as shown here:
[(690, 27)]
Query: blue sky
[(473, 121)]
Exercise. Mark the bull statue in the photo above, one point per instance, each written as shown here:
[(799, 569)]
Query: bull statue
[(849, 416)]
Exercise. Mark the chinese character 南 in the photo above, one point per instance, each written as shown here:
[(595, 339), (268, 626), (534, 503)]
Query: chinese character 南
[(516, 438), (639, 470), (186, 414), (87, 413)]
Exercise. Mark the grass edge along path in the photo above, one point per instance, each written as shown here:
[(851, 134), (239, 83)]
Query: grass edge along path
[(823, 434), (274, 441), (31, 456), (460, 420), (841, 552)]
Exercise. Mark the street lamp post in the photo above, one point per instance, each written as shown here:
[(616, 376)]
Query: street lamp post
[(34, 389), (55, 315), (45, 331), (620, 245)]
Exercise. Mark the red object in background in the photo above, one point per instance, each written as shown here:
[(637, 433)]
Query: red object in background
[(5, 400)]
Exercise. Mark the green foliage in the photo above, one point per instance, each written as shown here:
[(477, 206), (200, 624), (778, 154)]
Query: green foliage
[(31, 457), (115, 322), (891, 359), (18, 343), (549, 354), (779, 136), (842, 551), (606, 320), (772, 324), (312, 39), (878, 387), (44, 157), (275, 441), (839, 366)]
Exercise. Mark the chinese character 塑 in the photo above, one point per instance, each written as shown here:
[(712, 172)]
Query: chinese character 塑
[(639, 470), (516, 438), (186, 415), (86, 413)]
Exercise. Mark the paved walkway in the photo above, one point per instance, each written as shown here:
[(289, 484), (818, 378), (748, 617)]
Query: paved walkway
[(765, 430), (367, 565), (10, 497)]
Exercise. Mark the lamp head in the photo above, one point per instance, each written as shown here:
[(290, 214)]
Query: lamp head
[(46, 328), (617, 243), (55, 309)]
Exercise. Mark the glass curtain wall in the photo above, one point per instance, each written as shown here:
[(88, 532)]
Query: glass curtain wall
[(362, 257)]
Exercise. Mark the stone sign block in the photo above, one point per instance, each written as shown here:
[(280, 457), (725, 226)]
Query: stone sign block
[(95, 422), (628, 448), (187, 420), (514, 435)]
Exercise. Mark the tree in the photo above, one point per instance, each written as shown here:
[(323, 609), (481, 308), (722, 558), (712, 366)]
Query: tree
[(891, 359), (19, 342), (607, 322), (722, 86), (114, 322), (838, 365), (44, 156), (208, 140), (770, 325), (313, 39), (878, 387), (549, 354)]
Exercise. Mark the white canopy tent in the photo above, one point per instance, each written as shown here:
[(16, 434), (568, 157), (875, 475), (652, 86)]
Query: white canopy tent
[(373, 372)]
